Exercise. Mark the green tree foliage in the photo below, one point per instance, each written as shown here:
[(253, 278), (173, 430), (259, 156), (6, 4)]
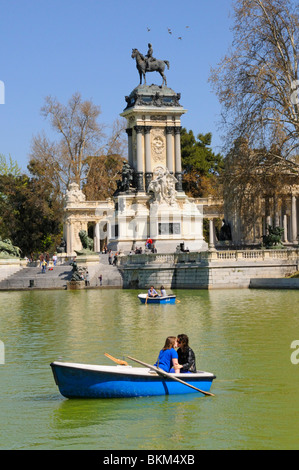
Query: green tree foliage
[(31, 213), (8, 166), (201, 166), (103, 173)]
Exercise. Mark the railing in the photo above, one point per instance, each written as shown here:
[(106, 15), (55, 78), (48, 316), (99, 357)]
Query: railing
[(206, 256)]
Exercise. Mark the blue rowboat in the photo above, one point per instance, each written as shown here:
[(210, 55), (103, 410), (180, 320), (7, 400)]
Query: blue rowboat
[(96, 381), (167, 299)]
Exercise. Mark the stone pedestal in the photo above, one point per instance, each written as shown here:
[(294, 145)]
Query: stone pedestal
[(139, 218), (75, 285)]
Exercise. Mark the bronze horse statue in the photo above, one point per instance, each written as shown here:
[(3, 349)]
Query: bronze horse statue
[(144, 66)]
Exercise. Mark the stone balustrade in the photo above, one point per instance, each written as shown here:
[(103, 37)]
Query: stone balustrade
[(206, 270)]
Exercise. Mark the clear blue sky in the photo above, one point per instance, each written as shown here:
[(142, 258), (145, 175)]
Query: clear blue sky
[(51, 47)]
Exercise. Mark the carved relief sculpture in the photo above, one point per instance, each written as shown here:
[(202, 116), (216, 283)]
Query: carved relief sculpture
[(163, 186)]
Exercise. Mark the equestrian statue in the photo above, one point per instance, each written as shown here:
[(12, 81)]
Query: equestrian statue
[(149, 64)]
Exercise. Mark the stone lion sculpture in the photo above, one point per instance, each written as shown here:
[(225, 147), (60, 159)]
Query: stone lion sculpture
[(7, 249), (87, 243)]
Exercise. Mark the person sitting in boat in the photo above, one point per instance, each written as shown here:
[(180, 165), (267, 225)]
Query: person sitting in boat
[(163, 292), (151, 292), (186, 356), (168, 357)]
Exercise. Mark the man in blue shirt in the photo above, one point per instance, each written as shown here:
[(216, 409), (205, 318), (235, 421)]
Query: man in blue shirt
[(151, 292)]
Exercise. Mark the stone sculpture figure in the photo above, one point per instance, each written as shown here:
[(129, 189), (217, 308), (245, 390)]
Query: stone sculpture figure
[(74, 194), (149, 64), (7, 249), (273, 238), (77, 273), (225, 232), (163, 186), (127, 178)]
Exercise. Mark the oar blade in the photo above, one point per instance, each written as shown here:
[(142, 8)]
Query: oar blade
[(118, 361)]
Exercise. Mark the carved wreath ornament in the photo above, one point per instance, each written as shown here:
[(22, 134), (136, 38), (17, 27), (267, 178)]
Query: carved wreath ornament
[(158, 145)]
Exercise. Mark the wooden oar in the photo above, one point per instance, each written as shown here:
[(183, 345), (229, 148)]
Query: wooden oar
[(169, 376), (118, 361)]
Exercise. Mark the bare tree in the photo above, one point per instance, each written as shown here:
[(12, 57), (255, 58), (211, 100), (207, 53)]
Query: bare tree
[(257, 81), (80, 136)]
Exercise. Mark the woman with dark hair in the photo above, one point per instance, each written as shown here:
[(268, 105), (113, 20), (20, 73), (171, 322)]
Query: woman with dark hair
[(168, 357), (186, 355)]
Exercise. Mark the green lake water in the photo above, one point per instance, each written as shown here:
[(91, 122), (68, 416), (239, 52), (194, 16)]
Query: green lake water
[(243, 336)]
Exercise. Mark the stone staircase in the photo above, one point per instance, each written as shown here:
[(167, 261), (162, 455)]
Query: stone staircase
[(110, 274), (32, 277), (56, 278)]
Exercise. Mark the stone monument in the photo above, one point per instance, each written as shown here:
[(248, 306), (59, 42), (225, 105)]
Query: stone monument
[(149, 202), (152, 203)]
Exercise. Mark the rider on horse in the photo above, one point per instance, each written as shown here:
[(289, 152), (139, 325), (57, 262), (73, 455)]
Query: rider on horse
[(149, 56)]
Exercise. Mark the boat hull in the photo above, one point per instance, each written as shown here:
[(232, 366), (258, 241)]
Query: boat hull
[(168, 299), (85, 381)]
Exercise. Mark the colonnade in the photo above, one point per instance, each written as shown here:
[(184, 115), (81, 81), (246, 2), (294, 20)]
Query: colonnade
[(142, 160), (286, 217)]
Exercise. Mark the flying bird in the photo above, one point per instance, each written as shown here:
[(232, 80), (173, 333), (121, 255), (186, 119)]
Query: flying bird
[(179, 37), (148, 28), (169, 30)]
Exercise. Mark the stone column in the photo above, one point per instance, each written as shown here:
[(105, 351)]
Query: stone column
[(211, 235), (148, 168), (285, 228), (140, 186), (69, 244), (130, 147), (178, 163), (294, 219), (96, 238), (169, 148), (276, 214)]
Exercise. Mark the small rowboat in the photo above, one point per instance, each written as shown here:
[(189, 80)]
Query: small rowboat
[(96, 381), (167, 299)]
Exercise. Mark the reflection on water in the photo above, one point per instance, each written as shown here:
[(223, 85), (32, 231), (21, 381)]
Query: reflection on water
[(242, 336)]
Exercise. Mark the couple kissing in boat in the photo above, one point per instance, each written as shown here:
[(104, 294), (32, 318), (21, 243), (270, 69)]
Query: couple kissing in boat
[(180, 361)]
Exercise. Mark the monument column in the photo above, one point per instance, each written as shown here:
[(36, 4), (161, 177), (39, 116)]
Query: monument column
[(169, 148), (130, 148), (139, 149), (148, 167), (178, 164)]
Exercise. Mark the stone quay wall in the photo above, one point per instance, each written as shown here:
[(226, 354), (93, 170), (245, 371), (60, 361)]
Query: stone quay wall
[(206, 270)]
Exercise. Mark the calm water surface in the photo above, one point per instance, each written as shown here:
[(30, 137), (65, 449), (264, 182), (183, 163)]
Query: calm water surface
[(242, 336)]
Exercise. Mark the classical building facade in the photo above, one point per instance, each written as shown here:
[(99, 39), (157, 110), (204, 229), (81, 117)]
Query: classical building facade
[(279, 210)]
